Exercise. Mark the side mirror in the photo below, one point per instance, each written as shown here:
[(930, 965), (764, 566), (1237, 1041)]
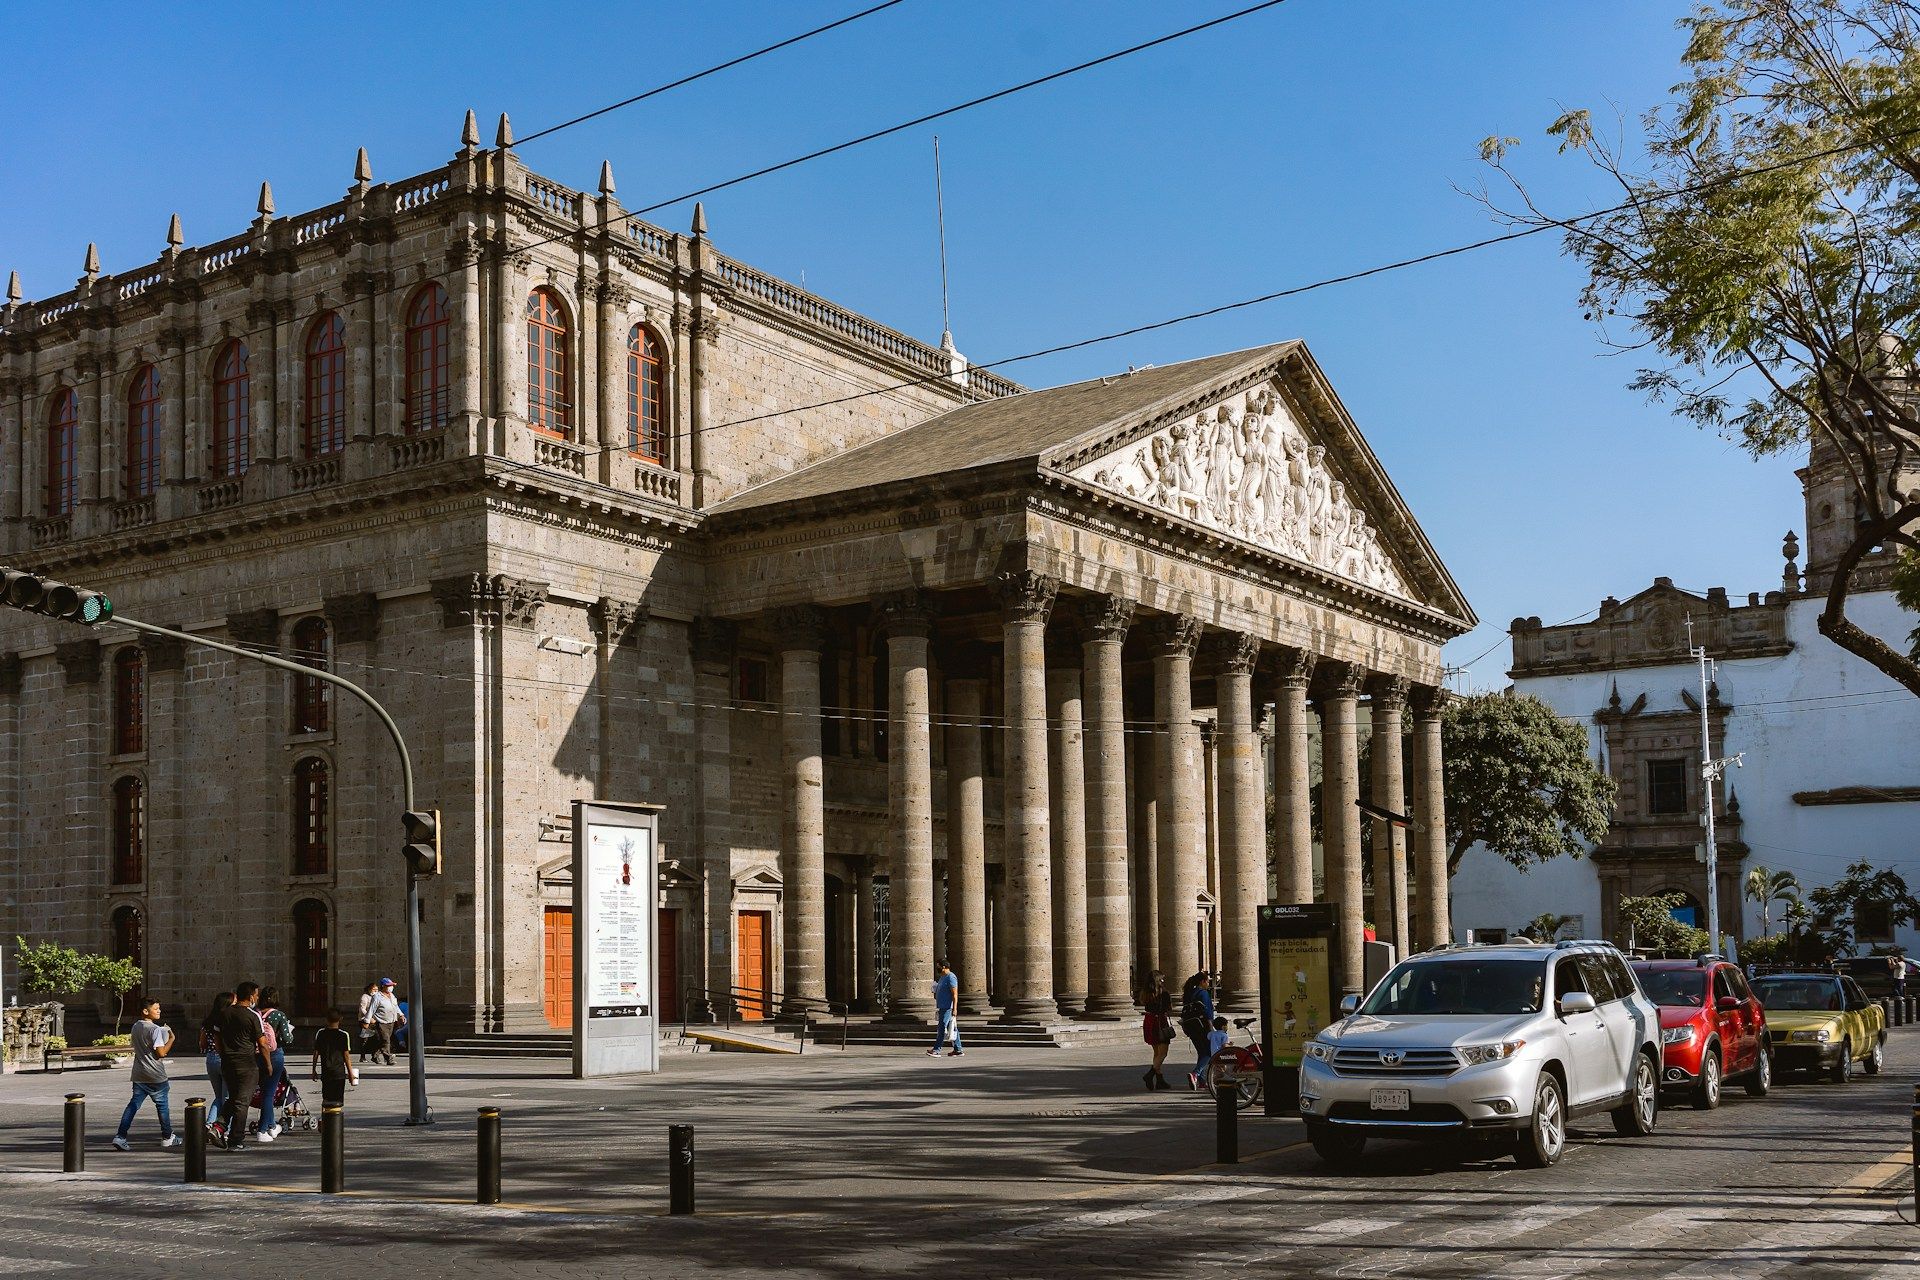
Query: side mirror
[(1727, 1004), (1349, 1005), (1576, 1002)]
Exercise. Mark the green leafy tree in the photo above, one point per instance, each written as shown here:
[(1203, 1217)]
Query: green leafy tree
[(1546, 927), (115, 977), (49, 969), (1836, 906), (1767, 887), (1763, 252), (1647, 924), (1519, 780)]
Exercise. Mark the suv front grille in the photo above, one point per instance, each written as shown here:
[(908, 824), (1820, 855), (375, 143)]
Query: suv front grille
[(1412, 1062)]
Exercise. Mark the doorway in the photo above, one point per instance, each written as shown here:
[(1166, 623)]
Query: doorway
[(669, 935), (557, 986), (751, 968)]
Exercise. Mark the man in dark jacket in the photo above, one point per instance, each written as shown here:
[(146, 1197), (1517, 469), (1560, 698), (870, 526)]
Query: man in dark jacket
[(243, 1041)]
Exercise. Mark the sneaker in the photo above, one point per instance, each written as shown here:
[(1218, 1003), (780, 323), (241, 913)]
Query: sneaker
[(265, 1135), (956, 1053), (169, 1142), (389, 1059), (274, 1132), (933, 1053), (121, 1143), (216, 1135)]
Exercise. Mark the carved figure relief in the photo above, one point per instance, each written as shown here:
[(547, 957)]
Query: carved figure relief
[(1246, 468)]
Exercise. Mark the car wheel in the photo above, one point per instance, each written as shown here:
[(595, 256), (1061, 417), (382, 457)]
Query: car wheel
[(1842, 1071), (1636, 1117), (1341, 1150), (1541, 1143), (1706, 1094), (1760, 1079), (1876, 1059)]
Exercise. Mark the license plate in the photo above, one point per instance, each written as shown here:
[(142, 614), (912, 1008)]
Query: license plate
[(1392, 1100)]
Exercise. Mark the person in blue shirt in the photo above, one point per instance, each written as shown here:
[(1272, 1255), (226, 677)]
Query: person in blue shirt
[(1196, 1020), (946, 995)]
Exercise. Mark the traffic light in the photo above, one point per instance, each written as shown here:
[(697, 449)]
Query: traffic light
[(423, 842), (52, 599)]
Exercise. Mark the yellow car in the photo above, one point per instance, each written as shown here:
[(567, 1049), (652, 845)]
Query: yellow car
[(1822, 1022)]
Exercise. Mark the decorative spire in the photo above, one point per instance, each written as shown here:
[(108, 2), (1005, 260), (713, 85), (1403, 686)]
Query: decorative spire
[(265, 207), (470, 133), (1613, 700), (699, 220), (1733, 802), (1790, 575), (175, 237), (606, 177), (92, 267), (503, 136), (13, 288), (362, 168)]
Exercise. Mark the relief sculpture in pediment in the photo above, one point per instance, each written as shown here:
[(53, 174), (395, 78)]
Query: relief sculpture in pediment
[(1247, 469)]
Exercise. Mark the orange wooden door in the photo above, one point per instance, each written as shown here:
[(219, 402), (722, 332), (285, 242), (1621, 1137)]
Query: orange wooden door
[(750, 965), (558, 952), (669, 964)]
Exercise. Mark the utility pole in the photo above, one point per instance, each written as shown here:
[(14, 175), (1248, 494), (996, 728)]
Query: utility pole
[(1711, 771)]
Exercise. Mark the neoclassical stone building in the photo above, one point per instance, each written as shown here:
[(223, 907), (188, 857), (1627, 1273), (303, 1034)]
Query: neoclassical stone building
[(918, 661)]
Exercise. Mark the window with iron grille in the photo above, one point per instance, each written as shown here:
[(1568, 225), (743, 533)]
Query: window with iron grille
[(312, 699), (646, 399), (63, 452), (325, 429), (311, 947), (311, 849), (428, 360), (129, 830), (1666, 787), (143, 433), (229, 446), (129, 701), (549, 408)]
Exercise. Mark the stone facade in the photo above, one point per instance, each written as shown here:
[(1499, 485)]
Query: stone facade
[(852, 682)]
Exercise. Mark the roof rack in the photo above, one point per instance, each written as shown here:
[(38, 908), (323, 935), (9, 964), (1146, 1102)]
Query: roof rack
[(1581, 942)]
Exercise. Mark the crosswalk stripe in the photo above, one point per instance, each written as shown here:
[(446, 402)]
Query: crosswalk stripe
[(1801, 1239)]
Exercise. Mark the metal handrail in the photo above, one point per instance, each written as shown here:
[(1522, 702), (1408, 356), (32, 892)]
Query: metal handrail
[(771, 1003)]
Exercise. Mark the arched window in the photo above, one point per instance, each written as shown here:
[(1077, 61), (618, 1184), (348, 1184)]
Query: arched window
[(548, 407), (325, 428), (311, 852), (128, 944), (229, 449), (310, 957), (427, 360), (143, 433), (129, 701), (646, 402), (129, 830), (312, 699), (63, 451)]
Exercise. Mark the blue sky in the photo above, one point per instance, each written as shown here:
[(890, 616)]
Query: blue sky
[(1306, 141)]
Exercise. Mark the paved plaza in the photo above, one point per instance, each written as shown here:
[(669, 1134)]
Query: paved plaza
[(1002, 1163)]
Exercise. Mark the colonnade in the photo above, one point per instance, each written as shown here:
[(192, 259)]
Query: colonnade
[(1087, 832)]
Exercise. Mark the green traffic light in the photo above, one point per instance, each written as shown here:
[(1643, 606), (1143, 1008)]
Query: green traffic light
[(95, 609)]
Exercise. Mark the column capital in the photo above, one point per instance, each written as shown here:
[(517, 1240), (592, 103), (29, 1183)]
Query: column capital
[(257, 627), (1296, 668), (164, 653), (801, 626), (1428, 701), (1337, 680), (353, 617), (1105, 617), (711, 641), (479, 599), (1388, 693), (79, 661), (1233, 652), (907, 613), (1173, 635), (617, 622), (1024, 595)]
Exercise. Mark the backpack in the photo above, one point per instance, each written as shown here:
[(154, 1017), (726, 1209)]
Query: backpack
[(281, 1028), (266, 1029), (1193, 1015)]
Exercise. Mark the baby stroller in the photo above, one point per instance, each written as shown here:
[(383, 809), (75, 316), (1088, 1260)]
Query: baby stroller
[(289, 1109)]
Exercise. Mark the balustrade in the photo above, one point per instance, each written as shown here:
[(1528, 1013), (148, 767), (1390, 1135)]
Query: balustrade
[(555, 199), (416, 451), (51, 530), (133, 513), (656, 482), (560, 455), (219, 495), (316, 473)]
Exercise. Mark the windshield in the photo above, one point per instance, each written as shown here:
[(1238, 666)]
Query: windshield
[(1800, 995), (1463, 986), (1674, 986)]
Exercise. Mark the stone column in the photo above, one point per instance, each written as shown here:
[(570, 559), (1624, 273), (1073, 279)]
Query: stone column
[(1143, 746), (1337, 696), (1243, 845), (1067, 825), (1024, 932), (1388, 787), (710, 643), (1104, 620), (803, 862), (467, 397), (906, 621), (1430, 817), (1182, 868), (966, 828), (1293, 780)]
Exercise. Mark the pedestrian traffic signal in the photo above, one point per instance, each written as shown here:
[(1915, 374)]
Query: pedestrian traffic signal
[(423, 842), (53, 599)]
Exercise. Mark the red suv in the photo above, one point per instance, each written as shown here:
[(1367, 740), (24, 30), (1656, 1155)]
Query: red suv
[(1712, 1028)]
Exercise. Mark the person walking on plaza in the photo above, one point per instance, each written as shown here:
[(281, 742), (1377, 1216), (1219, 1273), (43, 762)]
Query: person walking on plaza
[(946, 991), (383, 1015), (152, 1042), (333, 1061), (1196, 1020), (273, 1066), (210, 1046), (365, 1022), (1156, 1027), (243, 1042), (1897, 965)]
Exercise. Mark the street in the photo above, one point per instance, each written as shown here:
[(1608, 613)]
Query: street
[(1007, 1163)]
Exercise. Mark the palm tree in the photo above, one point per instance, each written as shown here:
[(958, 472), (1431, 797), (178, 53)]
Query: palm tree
[(1768, 887), (1546, 926)]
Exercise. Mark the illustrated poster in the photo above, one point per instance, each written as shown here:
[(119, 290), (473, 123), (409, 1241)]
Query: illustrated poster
[(618, 982), (1298, 996)]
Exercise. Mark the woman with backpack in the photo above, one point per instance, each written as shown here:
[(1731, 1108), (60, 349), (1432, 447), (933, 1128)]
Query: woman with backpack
[(1156, 1027), (1196, 1021), (273, 1065), (210, 1046)]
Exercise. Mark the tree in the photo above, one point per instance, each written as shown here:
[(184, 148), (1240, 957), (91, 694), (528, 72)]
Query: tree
[(1836, 905), (1768, 887), (1764, 250), (1519, 780), (1546, 927), (116, 978), (47, 968), (1647, 924)]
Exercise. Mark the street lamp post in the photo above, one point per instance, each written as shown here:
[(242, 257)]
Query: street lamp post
[(1711, 771)]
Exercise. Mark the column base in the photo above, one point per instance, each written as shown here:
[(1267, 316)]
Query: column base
[(1072, 1004), (978, 1008), (1039, 1011), (1110, 1008), (916, 1012)]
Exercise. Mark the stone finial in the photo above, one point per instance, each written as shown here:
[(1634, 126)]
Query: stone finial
[(1790, 574), (265, 205), (699, 220), (13, 289), (175, 236), (503, 136), (92, 266), (362, 168), (606, 177), (470, 133)]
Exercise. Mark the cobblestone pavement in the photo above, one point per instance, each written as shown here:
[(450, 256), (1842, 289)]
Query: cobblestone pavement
[(1002, 1164)]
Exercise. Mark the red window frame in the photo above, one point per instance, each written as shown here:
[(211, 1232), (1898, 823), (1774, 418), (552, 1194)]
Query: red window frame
[(324, 429), (129, 830), (230, 447), (311, 953), (129, 701), (312, 699), (63, 452), (429, 370), (143, 433), (646, 396), (549, 407), (311, 840)]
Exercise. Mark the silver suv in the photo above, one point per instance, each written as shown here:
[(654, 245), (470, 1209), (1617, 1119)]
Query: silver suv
[(1498, 1043)]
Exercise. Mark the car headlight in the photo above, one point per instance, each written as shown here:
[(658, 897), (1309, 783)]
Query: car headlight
[(1319, 1052), (1475, 1054), (1811, 1037), (1676, 1035)]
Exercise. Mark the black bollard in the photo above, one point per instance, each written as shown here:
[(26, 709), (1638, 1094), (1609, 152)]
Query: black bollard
[(196, 1140), (680, 1168), (1226, 1123), (488, 1191), (333, 1150), (74, 1155)]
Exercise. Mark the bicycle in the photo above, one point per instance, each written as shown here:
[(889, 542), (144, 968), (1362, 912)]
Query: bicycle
[(1241, 1068)]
